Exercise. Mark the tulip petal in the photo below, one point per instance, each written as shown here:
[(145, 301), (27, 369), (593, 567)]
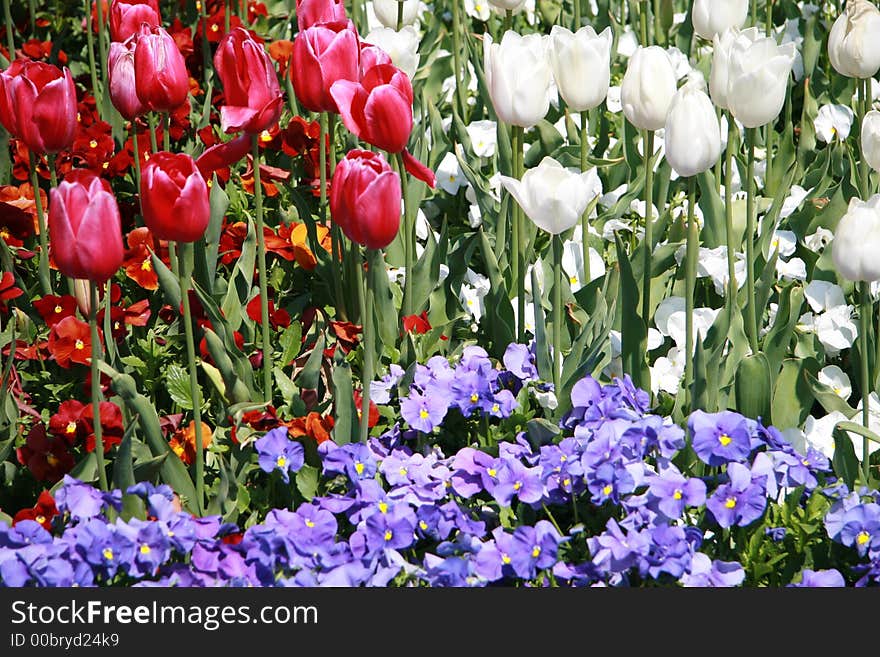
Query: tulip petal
[(350, 98), (389, 118), (223, 155), (418, 170), (233, 119)]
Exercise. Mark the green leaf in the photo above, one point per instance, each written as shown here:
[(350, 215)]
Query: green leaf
[(753, 387), (123, 472), (542, 350), (792, 397), (499, 317), (829, 400), (634, 331), (307, 482), (147, 470), (291, 343), (167, 281), (846, 465), (178, 386), (310, 374), (346, 426)]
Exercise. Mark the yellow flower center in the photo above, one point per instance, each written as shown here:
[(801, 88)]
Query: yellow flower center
[(607, 490), (215, 27), (495, 408), (145, 549), (93, 143), (80, 345), (309, 524), (475, 398), (676, 495), (730, 503), (40, 519), (423, 414), (147, 265), (505, 559), (492, 472), (388, 535), (863, 537), (724, 439), (359, 467), (536, 551), (566, 482), (108, 554), (517, 485), (58, 309), (402, 472), (572, 280), (423, 525), (383, 507), (71, 427), (281, 461), (265, 136)]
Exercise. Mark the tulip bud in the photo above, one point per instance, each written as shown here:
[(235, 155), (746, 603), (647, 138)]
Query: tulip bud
[(250, 85), (315, 12), (161, 78), (581, 65), (82, 293), (718, 78), (365, 199), (386, 11), (857, 241), (871, 139), (127, 17), (85, 228), (323, 54), (121, 74), (38, 105), (693, 136), (647, 88), (174, 198), (757, 78), (712, 17), (551, 195), (378, 109), (518, 76), (402, 47), (853, 44)]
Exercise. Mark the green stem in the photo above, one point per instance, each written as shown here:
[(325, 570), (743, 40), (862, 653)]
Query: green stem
[(508, 19), (102, 47), (769, 26), (649, 226), (728, 213), (10, 35), (45, 276), (751, 313), (137, 159), (33, 12), (185, 265), (862, 106), (864, 346), (519, 269), (154, 144), (227, 16), (577, 14), (264, 275), (322, 163), (409, 242), (456, 61), (585, 220), (557, 313), (753, 13), (693, 242), (643, 22), (206, 46), (369, 348), (97, 394), (166, 134), (399, 15)]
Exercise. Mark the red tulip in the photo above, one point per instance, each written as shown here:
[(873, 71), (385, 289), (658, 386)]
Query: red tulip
[(372, 56), (127, 16), (84, 227), (38, 105), (378, 109), (250, 85), (312, 12), (123, 92), (323, 54), (365, 199), (174, 198), (161, 78)]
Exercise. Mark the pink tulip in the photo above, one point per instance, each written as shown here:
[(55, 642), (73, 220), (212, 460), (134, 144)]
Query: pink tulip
[(378, 109), (323, 54), (127, 16), (174, 198), (313, 12), (161, 78), (121, 73), (38, 105), (250, 85), (365, 199), (84, 227)]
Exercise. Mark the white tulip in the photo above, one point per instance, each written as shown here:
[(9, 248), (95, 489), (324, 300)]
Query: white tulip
[(711, 17), (692, 136), (857, 241), (581, 64), (853, 45), (723, 43), (386, 11), (871, 139), (758, 79), (833, 122), (508, 5), (647, 88), (518, 75), (551, 195), (402, 47)]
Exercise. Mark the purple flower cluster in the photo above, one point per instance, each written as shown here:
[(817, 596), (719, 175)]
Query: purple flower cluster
[(854, 521), (388, 514), (473, 386)]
